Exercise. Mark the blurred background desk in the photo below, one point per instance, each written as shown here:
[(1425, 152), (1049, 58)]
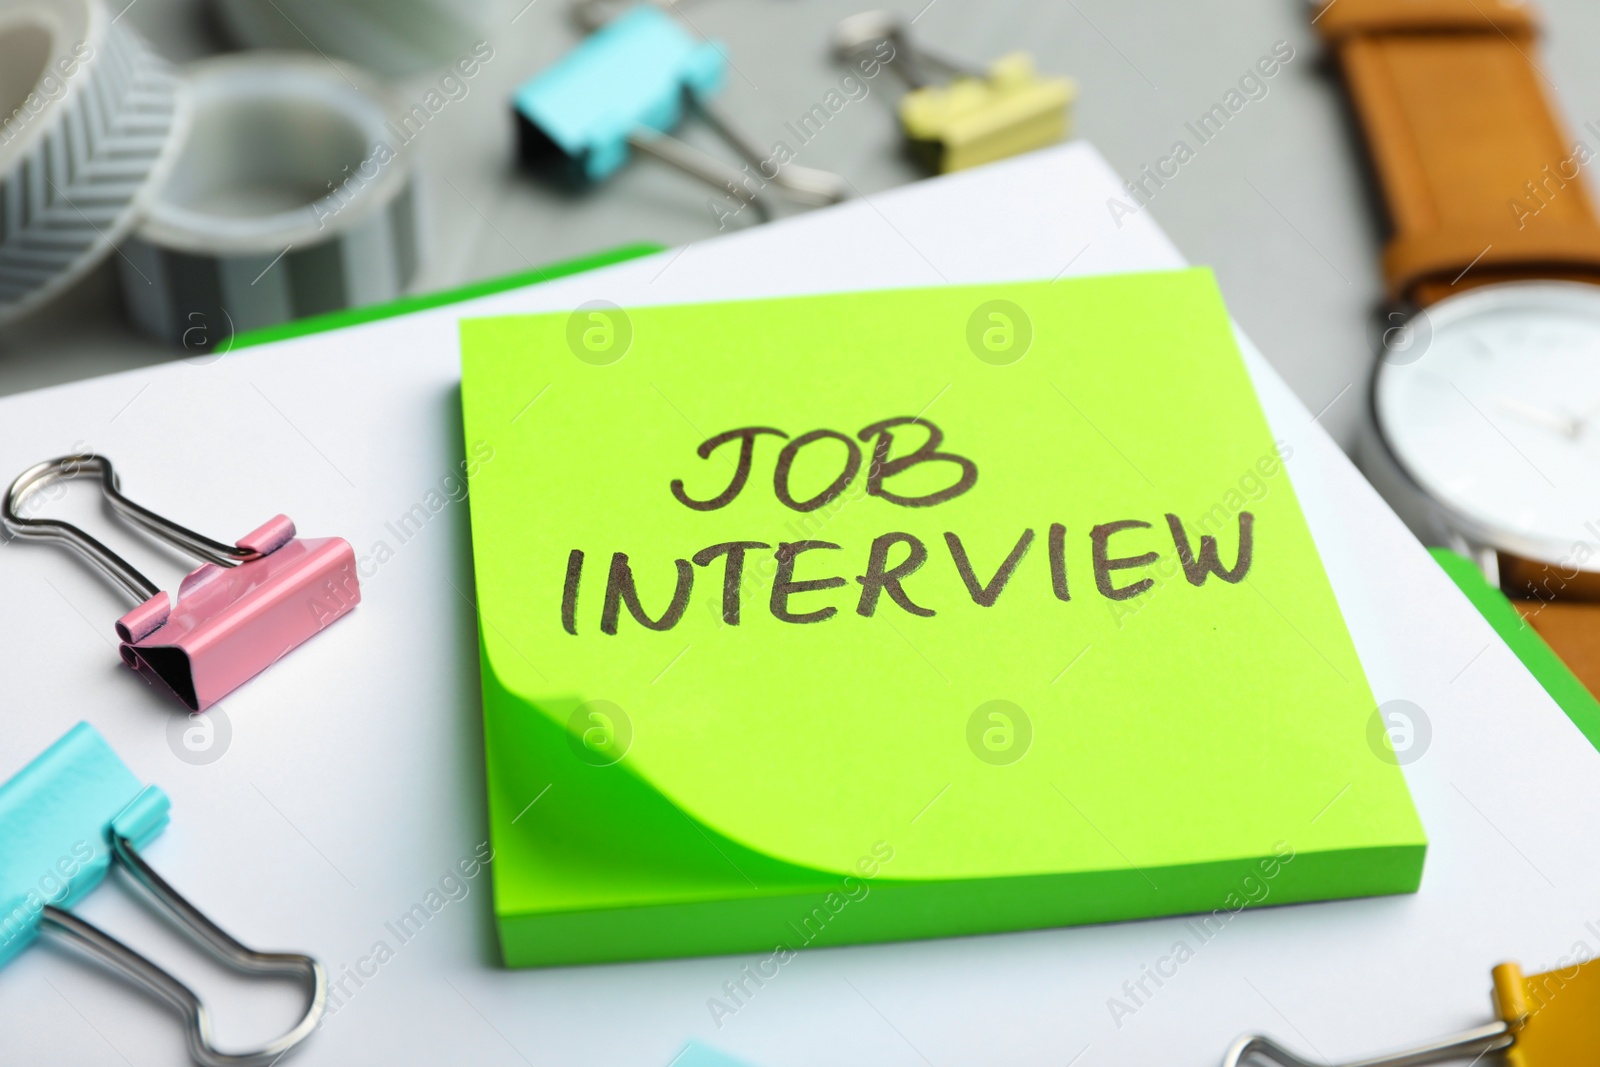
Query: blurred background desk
[(1276, 203)]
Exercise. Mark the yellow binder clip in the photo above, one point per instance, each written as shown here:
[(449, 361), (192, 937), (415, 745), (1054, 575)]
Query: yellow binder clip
[(978, 120), (975, 117), (1546, 1020)]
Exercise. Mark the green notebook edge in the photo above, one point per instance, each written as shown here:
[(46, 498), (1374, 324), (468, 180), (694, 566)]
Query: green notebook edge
[(407, 305), (1525, 643)]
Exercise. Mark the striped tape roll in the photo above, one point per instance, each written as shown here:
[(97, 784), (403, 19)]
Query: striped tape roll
[(287, 200), (89, 119), (395, 38)]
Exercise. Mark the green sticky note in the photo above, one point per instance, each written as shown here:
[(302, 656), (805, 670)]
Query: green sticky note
[(902, 614)]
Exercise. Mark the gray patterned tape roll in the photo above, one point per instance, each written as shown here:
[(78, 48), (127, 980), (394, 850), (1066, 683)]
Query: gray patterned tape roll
[(89, 120), (286, 200)]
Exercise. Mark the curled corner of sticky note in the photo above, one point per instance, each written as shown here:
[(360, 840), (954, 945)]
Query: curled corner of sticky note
[(568, 755)]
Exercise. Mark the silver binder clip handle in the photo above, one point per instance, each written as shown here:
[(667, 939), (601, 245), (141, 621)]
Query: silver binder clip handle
[(805, 185), (697, 164), (119, 957), (120, 571), (1255, 1048), (863, 32)]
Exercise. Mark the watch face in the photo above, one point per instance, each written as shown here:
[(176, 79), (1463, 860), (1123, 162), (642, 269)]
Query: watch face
[(1494, 411)]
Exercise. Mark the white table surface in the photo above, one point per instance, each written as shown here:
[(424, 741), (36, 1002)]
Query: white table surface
[(353, 778)]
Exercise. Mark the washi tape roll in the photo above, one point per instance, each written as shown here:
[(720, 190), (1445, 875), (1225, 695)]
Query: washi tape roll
[(392, 37), (89, 119), (286, 200)]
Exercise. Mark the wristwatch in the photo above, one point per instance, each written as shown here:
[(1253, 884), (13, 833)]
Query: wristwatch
[(1485, 402)]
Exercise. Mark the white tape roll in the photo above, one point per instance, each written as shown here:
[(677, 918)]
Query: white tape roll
[(287, 200), (89, 117), (392, 37)]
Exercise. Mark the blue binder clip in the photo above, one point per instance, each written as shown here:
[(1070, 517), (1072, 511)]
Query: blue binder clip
[(63, 819), (625, 87)]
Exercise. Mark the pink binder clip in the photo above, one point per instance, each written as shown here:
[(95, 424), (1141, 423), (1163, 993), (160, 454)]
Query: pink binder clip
[(246, 606)]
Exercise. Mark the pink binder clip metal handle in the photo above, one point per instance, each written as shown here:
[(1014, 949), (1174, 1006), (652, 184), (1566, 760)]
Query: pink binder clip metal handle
[(247, 605)]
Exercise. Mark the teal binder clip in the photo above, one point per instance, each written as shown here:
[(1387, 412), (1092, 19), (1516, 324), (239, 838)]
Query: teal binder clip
[(64, 819), (695, 1054), (624, 88), (630, 79)]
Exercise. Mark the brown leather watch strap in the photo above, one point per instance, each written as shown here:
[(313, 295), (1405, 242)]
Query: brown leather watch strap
[(1562, 604), (1475, 168), (1571, 631)]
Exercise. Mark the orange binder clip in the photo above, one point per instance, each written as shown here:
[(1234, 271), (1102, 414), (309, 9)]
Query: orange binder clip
[(1545, 1020)]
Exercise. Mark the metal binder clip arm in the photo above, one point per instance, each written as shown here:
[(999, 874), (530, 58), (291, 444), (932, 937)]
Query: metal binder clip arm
[(697, 164), (104, 948), (75, 811), (1254, 1048), (803, 185), (124, 574), (859, 33)]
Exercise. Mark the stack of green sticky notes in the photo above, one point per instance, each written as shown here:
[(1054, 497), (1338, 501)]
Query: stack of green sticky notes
[(903, 614)]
